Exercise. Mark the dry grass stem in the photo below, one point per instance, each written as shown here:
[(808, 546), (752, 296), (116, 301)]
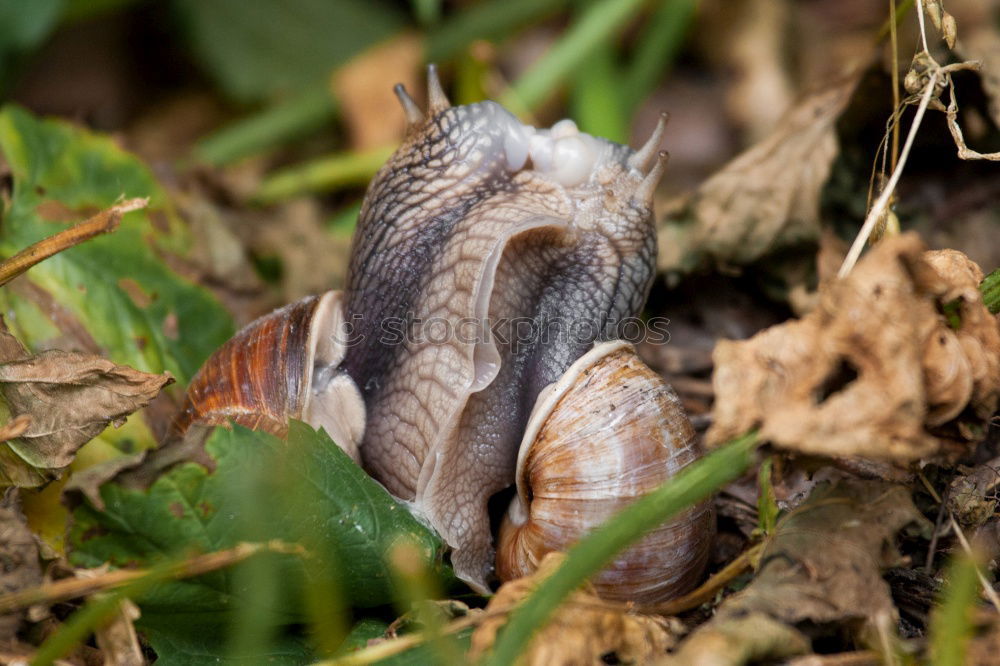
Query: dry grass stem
[(73, 588), (991, 594), (103, 223), (876, 212)]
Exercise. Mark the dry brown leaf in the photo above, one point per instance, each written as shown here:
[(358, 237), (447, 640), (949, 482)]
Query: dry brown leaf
[(19, 553), (765, 198), (70, 398), (364, 89), (870, 368), (584, 630), (822, 567)]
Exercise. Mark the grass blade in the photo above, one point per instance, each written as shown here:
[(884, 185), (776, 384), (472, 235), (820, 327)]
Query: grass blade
[(298, 116), (951, 624), (485, 21), (596, 26), (657, 50)]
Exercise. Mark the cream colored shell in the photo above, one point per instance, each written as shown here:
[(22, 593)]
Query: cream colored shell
[(608, 432)]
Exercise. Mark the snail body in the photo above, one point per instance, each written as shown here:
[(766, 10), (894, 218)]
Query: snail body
[(476, 219)]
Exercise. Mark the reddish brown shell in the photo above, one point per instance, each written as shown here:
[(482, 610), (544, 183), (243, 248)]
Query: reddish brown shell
[(608, 432), (264, 375)]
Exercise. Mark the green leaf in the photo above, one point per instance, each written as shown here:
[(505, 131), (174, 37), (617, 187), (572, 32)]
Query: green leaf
[(304, 491), (990, 287), (25, 24), (259, 49), (197, 644), (114, 292)]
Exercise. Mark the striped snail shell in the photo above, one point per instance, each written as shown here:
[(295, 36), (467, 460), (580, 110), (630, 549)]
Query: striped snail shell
[(608, 432), (282, 366)]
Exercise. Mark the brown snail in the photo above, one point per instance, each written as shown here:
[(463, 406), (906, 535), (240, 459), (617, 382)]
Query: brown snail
[(475, 221)]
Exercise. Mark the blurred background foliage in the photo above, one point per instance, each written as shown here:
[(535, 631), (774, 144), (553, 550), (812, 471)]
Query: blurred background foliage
[(256, 112)]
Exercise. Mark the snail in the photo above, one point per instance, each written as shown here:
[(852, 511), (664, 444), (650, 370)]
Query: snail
[(477, 228)]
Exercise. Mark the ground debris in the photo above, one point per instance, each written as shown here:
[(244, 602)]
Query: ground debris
[(902, 344), (765, 198), (584, 630), (820, 572)]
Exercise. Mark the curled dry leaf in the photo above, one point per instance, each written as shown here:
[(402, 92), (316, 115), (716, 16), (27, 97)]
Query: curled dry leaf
[(584, 630), (821, 568), (765, 198), (70, 398), (873, 366)]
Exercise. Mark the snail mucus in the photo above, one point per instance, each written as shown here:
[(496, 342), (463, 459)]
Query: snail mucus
[(478, 218)]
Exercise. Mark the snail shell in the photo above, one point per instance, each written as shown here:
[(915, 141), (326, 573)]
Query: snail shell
[(608, 432), (283, 365)]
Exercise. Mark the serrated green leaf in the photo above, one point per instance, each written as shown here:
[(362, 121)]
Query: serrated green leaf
[(304, 491), (115, 290)]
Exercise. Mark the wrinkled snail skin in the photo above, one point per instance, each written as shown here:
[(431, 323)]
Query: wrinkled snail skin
[(607, 433), (283, 365), (477, 218)]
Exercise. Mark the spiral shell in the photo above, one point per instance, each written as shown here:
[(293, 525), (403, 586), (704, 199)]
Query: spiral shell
[(608, 432), (283, 365)]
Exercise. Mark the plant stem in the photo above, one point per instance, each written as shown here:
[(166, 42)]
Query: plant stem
[(875, 214), (103, 223)]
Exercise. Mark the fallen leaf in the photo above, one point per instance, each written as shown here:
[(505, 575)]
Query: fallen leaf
[(19, 553), (765, 198), (873, 366), (70, 399), (821, 568), (585, 629)]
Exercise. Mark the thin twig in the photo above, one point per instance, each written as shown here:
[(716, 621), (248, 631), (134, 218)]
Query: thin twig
[(104, 222), (875, 214), (932, 548), (394, 646), (707, 590), (923, 29), (72, 588), (894, 156), (991, 594)]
